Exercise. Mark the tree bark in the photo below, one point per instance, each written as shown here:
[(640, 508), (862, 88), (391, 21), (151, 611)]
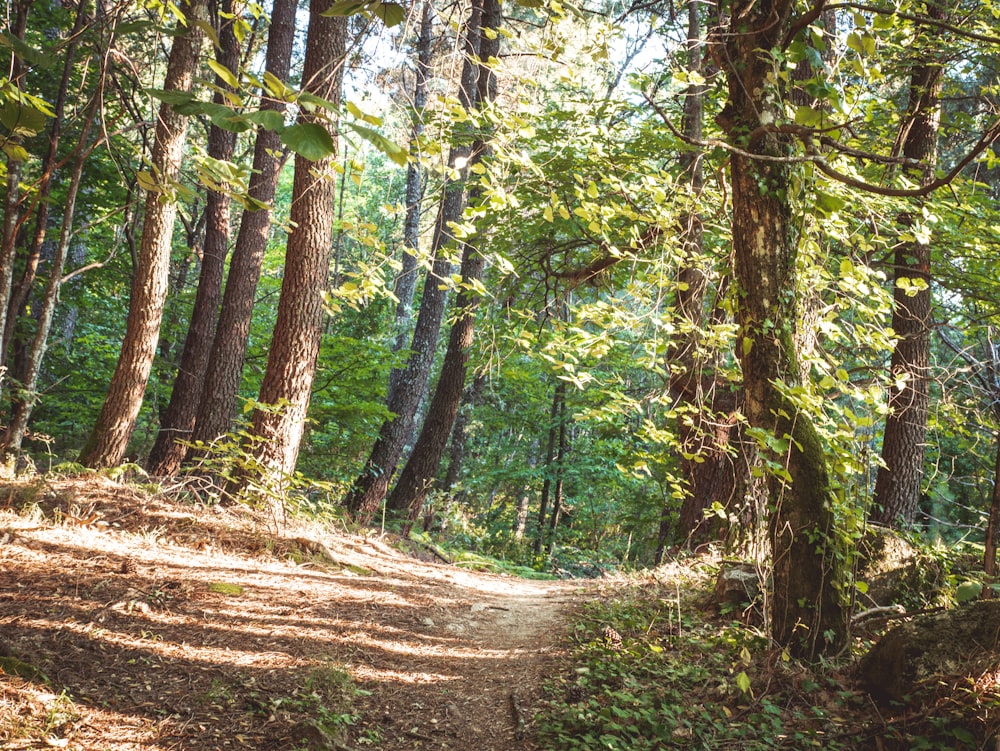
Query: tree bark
[(225, 363), (421, 468), (12, 217), (898, 483), (807, 616), (551, 468), (560, 468), (178, 421), (25, 397), (407, 385), (109, 439), (20, 291), (990, 552), (459, 434), (406, 281), (278, 425)]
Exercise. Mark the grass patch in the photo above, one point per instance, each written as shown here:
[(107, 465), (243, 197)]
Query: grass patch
[(226, 588), (656, 666)]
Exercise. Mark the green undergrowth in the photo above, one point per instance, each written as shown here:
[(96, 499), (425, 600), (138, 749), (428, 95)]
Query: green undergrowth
[(656, 665)]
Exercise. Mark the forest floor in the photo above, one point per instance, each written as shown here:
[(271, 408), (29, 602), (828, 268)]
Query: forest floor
[(131, 620)]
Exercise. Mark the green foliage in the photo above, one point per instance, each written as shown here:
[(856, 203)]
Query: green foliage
[(653, 672)]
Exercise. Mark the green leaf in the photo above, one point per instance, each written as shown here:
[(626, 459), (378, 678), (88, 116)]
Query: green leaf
[(392, 14), (34, 57), (316, 102), (267, 119), (309, 140), (743, 682), (22, 119), (808, 116), (224, 73), (13, 150), (173, 97), (967, 591), (828, 204), (391, 149), (146, 181), (346, 8)]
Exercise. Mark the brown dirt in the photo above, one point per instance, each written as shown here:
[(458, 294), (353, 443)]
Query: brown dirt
[(124, 601)]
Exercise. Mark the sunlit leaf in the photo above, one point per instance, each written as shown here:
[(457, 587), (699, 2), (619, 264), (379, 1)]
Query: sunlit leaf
[(309, 140)]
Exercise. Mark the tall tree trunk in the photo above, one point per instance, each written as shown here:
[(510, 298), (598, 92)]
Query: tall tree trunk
[(806, 613), (707, 427), (408, 384), (459, 434), (898, 483), (225, 363), (277, 428), (21, 290), (109, 439), (178, 421), (406, 281), (551, 468), (990, 551), (25, 397), (560, 468), (417, 476), (12, 208)]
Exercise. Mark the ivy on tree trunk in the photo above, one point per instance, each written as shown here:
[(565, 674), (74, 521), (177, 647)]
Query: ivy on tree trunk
[(807, 615)]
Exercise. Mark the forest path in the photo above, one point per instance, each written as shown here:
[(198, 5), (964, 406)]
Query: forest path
[(161, 625)]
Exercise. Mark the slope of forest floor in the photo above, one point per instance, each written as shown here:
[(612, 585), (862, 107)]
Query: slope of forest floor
[(130, 620)]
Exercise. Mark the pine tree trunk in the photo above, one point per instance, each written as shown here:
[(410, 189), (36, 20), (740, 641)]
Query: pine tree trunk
[(560, 469), (407, 385), (806, 612), (21, 290), (178, 421), (551, 468), (708, 431), (406, 281), (898, 483), (24, 400), (990, 551), (459, 436), (418, 475), (277, 429), (224, 370), (12, 217), (109, 439)]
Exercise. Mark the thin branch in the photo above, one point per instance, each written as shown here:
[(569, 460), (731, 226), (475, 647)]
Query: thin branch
[(985, 141), (964, 33)]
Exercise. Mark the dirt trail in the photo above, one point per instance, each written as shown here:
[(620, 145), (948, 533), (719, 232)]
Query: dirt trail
[(164, 626)]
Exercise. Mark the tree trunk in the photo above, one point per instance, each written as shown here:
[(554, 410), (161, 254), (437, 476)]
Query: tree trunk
[(707, 427), (21, 290), (422, 466), (406, 281), (459, 436), (407, 385), (551, 468), (25, 397), (178, 421), (990, 552), (557, 495), (806, 613), (109, 440), (898, 483), (277, 427), (225, 364), (12, 218)]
